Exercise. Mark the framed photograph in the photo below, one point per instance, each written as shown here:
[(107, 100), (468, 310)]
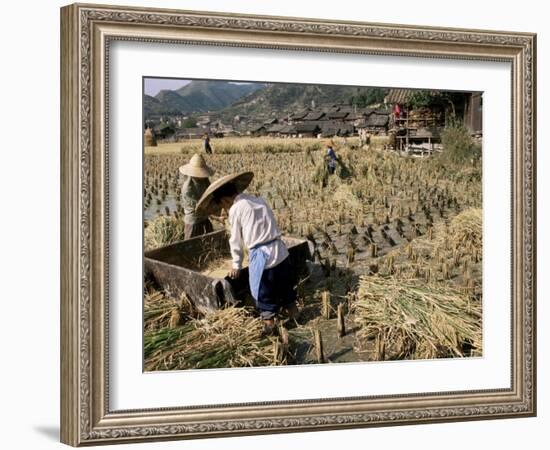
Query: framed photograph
[(279, 224)]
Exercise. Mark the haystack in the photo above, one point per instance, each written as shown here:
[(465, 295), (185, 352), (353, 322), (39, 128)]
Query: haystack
[(466, 229), (409, 319), (149, 138)]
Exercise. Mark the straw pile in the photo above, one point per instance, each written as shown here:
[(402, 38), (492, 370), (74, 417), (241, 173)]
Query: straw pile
[(229, 337), (160, 311), (149, 138), (320, 176), (409, 319), (163, 231), (344, 193), (466, 229)]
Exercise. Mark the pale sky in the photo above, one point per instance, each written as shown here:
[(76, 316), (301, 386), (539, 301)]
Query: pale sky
[(153, 86)]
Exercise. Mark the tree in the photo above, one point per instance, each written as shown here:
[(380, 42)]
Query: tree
[(446, 100), (190, 122), (422, 99), (375, 95), (368, 96), (458, 145)]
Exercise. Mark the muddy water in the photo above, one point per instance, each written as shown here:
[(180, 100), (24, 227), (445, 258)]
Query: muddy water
[(154, 210)]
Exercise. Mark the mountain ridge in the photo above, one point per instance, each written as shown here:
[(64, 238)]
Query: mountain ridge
[(277, 100), (196, 97)]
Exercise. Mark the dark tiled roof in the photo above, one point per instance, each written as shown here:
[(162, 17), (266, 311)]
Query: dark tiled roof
[(300, 114), (367, 111), (399, 95), (402, 96), (337, 115), (346, 108), (192, 131), (314, 115), (275, 128), (307, 127), (336, 127), (377, 120), (288, 129)]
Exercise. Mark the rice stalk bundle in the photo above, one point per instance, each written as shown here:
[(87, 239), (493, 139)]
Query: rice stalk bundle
[(345, 194), (228, 337), (409, 319), (320, 176), (162, 231), (157, 309), (466, 229), (160, 310)]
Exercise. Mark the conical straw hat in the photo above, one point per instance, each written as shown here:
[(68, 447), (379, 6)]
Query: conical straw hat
[(196, 167), (240, 180)]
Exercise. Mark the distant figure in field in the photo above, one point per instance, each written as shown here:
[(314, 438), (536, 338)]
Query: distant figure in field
[(364, 137), (331, 158), (195, 182), (206, 144)]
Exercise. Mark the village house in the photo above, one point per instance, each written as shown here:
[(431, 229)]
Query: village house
[(337, 115), (239, 118), (307, 129), (420, 127), (258, 130), (164, 130), (271, 121), (191, 133), (298, 116), (287, 131), (203, 121), (374, 123), (336, 128), (226, 131), (274, 130), (313, 116)]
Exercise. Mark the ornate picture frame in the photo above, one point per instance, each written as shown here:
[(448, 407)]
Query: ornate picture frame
[(86, 34)]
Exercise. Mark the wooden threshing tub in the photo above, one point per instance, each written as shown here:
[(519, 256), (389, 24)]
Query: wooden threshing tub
[(178, 269)]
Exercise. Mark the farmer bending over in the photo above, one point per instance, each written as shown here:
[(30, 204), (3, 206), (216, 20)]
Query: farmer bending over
[(331, 158), (253, 226)]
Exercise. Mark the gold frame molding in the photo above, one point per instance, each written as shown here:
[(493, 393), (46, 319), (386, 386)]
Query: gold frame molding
[(86, 31)]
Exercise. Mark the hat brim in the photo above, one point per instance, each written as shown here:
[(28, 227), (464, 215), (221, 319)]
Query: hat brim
[(206, 205), (197, 172)]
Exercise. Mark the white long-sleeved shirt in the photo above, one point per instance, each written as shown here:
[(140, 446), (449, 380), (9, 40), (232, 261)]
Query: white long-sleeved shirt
[(252, 223)]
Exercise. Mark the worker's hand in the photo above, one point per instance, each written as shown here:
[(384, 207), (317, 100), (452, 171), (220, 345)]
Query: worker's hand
[(233, 273)]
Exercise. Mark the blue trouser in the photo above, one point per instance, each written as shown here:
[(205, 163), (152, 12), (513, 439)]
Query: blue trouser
[(275, 290)]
